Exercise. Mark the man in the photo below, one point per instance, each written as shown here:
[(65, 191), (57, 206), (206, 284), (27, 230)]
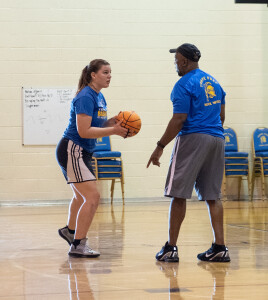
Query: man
[(198, 154)]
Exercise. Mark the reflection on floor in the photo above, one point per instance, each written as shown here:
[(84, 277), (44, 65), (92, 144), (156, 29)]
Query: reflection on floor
[(34, 263)]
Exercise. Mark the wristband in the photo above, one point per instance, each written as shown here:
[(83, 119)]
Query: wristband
[(160, 145)]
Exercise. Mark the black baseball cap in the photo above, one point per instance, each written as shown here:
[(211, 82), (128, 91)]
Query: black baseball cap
[(189, 51)]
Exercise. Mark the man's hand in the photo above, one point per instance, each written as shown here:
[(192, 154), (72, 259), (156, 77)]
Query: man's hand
[(154, 159)]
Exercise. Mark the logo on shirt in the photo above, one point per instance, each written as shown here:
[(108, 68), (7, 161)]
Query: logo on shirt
[(206, 83), (210, 91), (102, 113)]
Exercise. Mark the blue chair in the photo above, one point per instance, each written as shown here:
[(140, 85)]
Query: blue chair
[(260, 157), (107, 164), (236, 163)]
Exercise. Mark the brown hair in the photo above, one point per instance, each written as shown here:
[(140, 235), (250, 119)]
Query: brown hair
[(93, 66)]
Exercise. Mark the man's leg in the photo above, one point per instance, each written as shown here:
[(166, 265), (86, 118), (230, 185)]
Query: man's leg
[(218, 251), (177, 212), (169, 253), (216, 218)]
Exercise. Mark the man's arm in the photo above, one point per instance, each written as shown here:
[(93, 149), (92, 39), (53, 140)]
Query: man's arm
[(222, 114), (174, 127)]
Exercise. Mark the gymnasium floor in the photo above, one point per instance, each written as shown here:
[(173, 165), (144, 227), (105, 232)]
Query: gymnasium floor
[(35, 266)]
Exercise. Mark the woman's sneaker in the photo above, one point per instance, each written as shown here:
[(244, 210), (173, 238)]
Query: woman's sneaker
[(66, 235), (168, 253), (216, 253), (82, 250)]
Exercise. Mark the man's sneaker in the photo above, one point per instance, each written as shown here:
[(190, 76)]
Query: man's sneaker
[(83, 250), (216, 253), (66, 235), (168, 253)]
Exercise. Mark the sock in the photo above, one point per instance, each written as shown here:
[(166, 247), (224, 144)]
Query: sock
[(76, 242), (219, 247), (71, 231)]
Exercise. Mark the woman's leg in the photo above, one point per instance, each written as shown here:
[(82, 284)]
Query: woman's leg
[(74, 207), (91, 197)]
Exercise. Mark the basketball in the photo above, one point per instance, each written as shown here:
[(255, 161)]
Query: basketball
[(131, 121)]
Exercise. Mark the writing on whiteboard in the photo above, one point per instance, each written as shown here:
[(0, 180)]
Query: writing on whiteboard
[(46, 114)]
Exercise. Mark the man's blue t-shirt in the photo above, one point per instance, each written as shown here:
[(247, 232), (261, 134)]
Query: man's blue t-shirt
[(93, 104), (200, 96)]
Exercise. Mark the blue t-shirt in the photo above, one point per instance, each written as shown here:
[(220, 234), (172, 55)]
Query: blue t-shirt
[(93, 104), (200, 96)]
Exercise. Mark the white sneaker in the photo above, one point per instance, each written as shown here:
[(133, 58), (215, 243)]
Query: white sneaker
[(83, 250)]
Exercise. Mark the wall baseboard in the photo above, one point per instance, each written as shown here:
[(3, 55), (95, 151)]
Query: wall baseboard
[(106, 201)]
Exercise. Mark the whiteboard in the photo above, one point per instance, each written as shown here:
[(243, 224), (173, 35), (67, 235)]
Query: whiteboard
[(46, 113)]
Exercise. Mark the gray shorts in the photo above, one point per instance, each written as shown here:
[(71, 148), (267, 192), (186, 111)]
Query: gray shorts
[(197, 161)]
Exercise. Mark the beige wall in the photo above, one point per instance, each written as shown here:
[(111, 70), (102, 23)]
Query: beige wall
[(47, 43)]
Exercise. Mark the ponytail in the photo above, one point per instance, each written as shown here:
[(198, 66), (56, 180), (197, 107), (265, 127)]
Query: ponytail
[(85, 77)]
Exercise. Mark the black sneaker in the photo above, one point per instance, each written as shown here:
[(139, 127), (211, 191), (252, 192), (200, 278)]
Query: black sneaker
[(216, 253), (66, 235), (168, 253)]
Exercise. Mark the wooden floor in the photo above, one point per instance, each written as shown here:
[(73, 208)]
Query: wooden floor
[(34, 264)]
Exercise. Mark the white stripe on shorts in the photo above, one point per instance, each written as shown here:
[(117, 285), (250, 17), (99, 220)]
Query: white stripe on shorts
[(77, 171), (173, 164)]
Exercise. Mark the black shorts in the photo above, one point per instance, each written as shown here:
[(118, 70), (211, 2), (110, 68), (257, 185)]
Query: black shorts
[(74, 161)]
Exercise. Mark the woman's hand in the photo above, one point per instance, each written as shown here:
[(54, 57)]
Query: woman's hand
[(121, 131), (111, 122)]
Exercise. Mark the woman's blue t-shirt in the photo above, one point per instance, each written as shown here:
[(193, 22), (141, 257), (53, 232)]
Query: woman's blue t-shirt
[(93, 104), (200, 96)]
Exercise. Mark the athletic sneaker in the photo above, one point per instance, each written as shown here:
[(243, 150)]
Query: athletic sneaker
[(66, 235), (168, 253), (216, 253), (83, 250)]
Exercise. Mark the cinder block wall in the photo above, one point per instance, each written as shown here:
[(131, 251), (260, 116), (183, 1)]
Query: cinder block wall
[(47, 43)]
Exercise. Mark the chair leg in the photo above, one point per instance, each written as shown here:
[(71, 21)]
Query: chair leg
[(252, 183), (262, 180), (239, 187), (249, 188), (112, 190), (263, 186), (123, 191)]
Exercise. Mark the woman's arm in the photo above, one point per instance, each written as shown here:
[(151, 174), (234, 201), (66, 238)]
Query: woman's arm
[(110, 122), (83, 123)]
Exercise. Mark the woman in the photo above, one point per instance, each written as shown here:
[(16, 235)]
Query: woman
[(88, 121)]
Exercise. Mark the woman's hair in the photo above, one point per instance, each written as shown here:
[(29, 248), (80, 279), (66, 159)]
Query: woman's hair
[(93, 66)]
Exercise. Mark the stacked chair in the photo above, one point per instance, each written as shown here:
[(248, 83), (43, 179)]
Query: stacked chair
[(107, 164), (236, 163), (260, 157)]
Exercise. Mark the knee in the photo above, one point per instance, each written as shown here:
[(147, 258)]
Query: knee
[(178, 205), (214, 204), (93, 199), (179, 202), (96, 198), (78, 198)]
